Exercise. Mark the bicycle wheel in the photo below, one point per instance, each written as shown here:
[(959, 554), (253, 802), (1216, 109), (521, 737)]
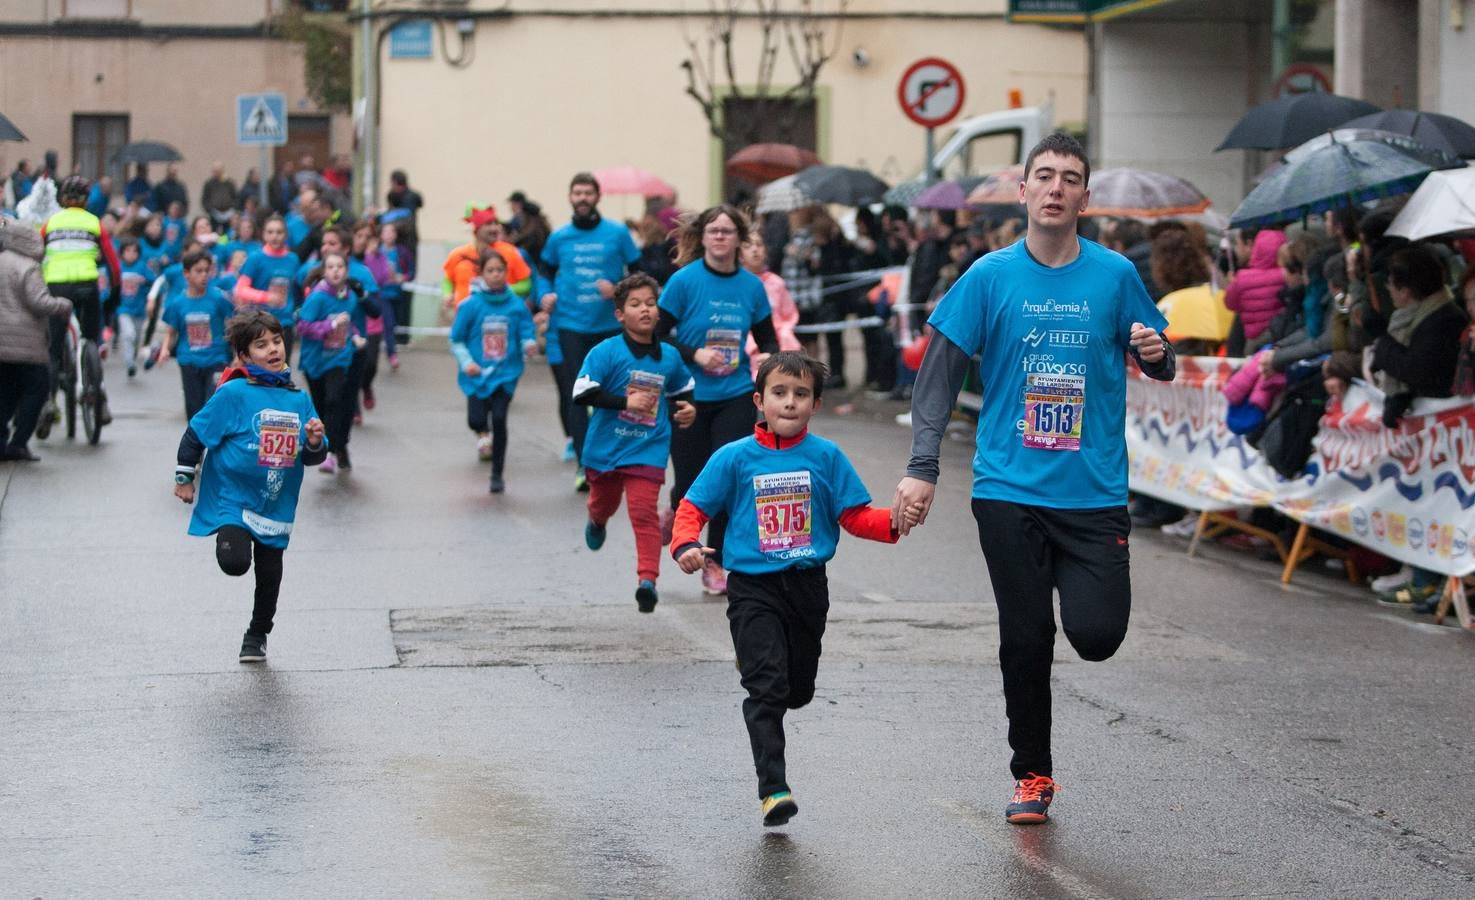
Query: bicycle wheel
[(69, 388), (91, 392)]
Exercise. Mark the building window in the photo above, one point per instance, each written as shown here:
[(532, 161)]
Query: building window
[(95, 138), (96, 9)]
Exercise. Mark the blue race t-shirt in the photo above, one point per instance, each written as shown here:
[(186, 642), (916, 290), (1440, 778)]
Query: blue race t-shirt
[(297, 228), (622, 437), (133, 296), (582, 257), (494, 329), (155, 256), (173, 236), (335, 349), (200, 324), (269, 272), (783, 506), (1052, 426), (716, 311), (253, 472)]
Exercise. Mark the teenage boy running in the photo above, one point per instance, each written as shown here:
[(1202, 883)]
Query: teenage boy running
[(1052, 318), (787, 494), (635, 385)]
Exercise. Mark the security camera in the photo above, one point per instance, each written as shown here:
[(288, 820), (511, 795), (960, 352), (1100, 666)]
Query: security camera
[(860, 57)]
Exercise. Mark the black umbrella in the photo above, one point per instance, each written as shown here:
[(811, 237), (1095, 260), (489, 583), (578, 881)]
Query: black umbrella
[(1337, 174), (146, 152), (840, 184), (8, 131), (1430, 129), (1288, 121)]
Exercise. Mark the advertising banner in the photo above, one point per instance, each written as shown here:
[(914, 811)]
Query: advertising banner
[(1408, 493)]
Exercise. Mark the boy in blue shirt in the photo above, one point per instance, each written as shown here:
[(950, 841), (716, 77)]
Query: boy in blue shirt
[(261, 431), (635, 385), (492, 333), (787, 494), (194, 322)]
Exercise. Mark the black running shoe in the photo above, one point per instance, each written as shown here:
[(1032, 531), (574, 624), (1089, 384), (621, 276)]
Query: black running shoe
[(498, 485), (253, 647), (1031, 802), (645, 596)]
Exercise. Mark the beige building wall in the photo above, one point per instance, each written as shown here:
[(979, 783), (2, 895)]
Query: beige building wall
[(544, 96), (180, 90)]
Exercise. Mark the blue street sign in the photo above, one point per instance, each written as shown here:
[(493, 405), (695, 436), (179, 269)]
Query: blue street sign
[(411, 40), (261, 120)]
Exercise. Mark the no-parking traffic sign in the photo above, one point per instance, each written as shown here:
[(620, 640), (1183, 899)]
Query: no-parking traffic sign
[(931, 92)]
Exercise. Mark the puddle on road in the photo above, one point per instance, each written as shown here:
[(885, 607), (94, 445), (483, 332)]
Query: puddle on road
[(912, 633)]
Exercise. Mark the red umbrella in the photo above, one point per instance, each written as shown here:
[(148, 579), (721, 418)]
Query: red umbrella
[(762, 163), (630, 180)]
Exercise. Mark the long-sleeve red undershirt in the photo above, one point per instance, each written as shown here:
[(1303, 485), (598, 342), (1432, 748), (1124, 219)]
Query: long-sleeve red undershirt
[(868, 522)]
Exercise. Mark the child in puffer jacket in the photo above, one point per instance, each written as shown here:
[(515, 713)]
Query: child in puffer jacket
[(1254, 291)]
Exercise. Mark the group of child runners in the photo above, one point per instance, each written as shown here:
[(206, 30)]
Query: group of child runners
[(676, 383)]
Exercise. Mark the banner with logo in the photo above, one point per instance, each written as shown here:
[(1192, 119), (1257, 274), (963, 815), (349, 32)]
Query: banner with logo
[(1408, 493)]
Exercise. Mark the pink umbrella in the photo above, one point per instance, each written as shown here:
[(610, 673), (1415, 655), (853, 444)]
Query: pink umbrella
[(630, 180)]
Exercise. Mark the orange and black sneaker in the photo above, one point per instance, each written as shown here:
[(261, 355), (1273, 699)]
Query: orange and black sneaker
[(1031, 802)]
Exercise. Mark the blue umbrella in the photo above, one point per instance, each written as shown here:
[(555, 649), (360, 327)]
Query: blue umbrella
[(1337, 174)]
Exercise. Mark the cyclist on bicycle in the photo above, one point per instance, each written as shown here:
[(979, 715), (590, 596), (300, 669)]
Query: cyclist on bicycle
[(76, 244)]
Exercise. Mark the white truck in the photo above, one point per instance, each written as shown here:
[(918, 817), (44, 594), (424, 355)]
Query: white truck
[(986, 143)]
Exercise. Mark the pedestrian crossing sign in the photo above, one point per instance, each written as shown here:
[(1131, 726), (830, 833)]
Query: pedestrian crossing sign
[(261, 120)]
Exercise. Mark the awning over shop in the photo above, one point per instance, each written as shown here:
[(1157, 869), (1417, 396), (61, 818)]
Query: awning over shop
[(1057, 12)]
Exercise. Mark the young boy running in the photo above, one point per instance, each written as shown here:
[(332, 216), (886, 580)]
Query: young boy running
[(636, 386), (787, 494), (194, 323), (260, 431)]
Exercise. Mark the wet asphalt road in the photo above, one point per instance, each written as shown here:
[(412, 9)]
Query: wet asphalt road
[(461, 701)]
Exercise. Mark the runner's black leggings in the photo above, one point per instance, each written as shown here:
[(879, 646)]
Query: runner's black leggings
[(489, 414), (1033, 552), (234, 547), (718, 423), (333, 395)]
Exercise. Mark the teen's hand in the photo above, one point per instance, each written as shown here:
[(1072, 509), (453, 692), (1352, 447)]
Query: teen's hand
[(1148, 342), (548, 301), (360, 342), (315, 431), (685, 414), (707, 359), (185, 492), (472, 369), (606, 288), (911, 504), (691, 561)]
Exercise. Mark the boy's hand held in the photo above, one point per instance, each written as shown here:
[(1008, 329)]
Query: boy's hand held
[(185, 492), (314, 433), (473, 369), (685, 414)]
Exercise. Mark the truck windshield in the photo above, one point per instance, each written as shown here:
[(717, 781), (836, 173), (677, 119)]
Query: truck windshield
[(985, 154)]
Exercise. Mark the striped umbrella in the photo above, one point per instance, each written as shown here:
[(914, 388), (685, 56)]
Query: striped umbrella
[(782, 195)]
